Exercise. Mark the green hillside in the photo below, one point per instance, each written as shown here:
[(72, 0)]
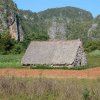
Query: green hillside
[(76, 23)]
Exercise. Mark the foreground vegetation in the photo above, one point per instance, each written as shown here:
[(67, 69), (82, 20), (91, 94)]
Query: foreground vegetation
[(12, 88)]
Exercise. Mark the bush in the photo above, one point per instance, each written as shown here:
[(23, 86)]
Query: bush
[(6, 43), (86, 94), (9, 45), (17, 49), (92, 45)]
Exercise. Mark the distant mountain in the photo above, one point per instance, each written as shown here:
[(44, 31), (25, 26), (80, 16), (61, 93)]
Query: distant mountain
[(66, 13), (97, 19), (57, 23)]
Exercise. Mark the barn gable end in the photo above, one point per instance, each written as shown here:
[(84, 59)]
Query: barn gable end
[(80, 59), (56, 53)]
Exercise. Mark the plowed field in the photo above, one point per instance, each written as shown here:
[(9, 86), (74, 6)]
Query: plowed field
[(53, 73)]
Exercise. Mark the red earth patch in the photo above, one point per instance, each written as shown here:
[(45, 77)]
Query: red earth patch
[(52, 73)]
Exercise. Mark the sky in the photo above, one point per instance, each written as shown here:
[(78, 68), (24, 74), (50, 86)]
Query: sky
[(39, 5)]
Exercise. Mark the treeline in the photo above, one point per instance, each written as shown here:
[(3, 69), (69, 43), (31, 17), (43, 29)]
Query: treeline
[(92, 45), (9, 45)]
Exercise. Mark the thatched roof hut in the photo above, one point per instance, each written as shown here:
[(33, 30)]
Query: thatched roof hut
[(56, 53)]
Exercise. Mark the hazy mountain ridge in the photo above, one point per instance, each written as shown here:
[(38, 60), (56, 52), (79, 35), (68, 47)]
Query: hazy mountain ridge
[(59, 23), (66, 13), (56, 23)]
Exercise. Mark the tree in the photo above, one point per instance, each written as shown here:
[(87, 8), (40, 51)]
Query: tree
[(17, 49), (6, 43), (92, 45)]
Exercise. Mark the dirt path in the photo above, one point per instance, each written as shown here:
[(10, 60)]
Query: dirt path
[(88, 73)]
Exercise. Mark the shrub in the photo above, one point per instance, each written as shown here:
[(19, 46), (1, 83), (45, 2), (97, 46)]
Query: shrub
[(92, 45), (6, 43), (86, 94), (17, 49)]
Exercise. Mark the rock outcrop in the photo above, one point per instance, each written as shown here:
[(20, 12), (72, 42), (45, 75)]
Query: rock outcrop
[(9, 20), (57, 31), (91, 29)]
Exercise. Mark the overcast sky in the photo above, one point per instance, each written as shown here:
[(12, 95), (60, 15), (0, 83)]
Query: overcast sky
[(39, 5)]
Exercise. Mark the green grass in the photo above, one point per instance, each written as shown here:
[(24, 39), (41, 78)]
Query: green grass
[(95, 53), (10, 61), (12, 88), (93, 60)]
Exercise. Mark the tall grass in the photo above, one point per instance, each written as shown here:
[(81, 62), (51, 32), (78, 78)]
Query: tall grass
[(48, 89)]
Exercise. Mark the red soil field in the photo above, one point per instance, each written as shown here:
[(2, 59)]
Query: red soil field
[(53, 73)]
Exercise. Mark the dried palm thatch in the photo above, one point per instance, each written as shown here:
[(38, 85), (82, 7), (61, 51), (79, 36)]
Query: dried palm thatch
[(61, 53)]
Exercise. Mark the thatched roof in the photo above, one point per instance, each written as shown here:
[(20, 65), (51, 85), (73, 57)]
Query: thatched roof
[(51, 52)]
